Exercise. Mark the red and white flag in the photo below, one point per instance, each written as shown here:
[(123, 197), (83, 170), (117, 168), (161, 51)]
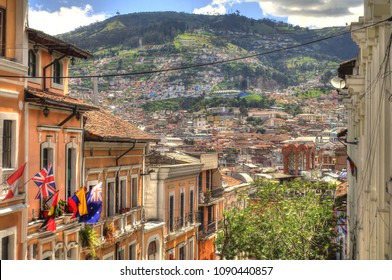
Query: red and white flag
[(12, 181)]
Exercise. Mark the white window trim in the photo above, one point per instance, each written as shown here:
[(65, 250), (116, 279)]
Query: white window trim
[(38, 68), (109, 256), (110, 180), (48, 144), (57, 85), (182, 245), (191, 241), (13, 234), (155, 238), (15, 136), (74, 146), (129, 248), (133, 176), (122, 248), (127, 205)]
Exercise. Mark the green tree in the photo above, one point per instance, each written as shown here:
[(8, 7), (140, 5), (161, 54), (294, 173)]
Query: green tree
[(292, 221)]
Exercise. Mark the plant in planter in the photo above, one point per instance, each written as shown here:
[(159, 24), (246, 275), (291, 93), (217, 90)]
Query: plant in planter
[(207, 195), (88, 238), (108, 232), (61, 208)]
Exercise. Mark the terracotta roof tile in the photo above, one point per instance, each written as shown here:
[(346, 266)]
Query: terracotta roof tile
[(104, 126), (230, 181), (50, 98)]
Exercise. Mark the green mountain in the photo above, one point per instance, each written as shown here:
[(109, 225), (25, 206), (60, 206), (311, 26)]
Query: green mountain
[(257, 54)]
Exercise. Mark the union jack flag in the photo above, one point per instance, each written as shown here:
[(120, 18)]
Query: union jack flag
[(45, 182)]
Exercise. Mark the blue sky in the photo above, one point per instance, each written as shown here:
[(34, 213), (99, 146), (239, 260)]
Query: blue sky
[(59, 16)]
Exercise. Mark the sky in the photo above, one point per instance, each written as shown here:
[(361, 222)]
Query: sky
[(60, 16)]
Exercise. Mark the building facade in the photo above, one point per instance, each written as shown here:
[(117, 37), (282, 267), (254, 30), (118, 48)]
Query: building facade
[(367, 97)]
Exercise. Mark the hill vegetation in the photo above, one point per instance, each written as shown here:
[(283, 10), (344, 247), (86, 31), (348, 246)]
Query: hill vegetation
[(210, 52)]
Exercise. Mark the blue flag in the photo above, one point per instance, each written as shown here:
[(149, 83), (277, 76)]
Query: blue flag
[(94, 205)]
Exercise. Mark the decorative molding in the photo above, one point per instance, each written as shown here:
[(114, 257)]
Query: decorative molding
[(9, 93)]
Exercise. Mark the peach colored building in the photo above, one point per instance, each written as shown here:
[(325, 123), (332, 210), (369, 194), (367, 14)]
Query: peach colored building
[(171, 198), (114, 154), (13, 62)]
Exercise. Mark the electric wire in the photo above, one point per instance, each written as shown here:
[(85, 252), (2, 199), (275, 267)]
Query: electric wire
[(208, 63)]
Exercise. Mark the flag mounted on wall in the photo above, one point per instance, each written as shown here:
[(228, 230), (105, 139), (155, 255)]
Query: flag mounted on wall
[(44, 179), (353, 167), (13, 180), (94, 205)]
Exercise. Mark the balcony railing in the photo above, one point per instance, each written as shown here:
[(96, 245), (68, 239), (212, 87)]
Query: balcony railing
[(179, 223), (209, 229), (210, 196)]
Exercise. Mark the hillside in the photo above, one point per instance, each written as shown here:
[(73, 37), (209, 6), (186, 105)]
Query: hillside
[(142, 43)]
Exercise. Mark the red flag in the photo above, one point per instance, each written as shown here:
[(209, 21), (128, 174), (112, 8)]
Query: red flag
[(50, 221), (12, 181)]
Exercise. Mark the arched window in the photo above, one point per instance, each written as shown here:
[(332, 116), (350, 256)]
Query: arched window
[(152, 250), (32, 64)]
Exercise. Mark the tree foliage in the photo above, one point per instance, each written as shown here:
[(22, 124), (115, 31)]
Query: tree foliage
[(292, 221)]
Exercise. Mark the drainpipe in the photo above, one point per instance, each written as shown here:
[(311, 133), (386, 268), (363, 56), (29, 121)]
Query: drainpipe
[(118, 173), (47, 66)]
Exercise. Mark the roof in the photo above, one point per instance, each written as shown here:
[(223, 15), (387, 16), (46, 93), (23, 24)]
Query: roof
[(230, 181), (104, 126), (182, 157), (59, 100), (56, 44)]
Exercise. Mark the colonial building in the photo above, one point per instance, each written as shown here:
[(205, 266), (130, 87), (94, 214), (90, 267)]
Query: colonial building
[(367, 97), (53, 130), (114, 153), (171, 198), (13, 63)]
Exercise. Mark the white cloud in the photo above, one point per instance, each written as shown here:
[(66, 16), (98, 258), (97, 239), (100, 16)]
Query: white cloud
[(63, 20), (213, 9), (305, 13)]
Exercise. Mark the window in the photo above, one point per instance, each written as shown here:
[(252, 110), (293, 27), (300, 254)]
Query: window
[(132, 251), (171, 213), (8, 244), (120, 254), (7, 144), (123, 191), (191, 207), (71, 168), (181, 253), (57, 72), (208, 179), (134, 192), (2, 32), (200, 181), (182, 208), (190, 245), (32, 72), (152, 250), (47, 152), (111, 199), (59, 254)]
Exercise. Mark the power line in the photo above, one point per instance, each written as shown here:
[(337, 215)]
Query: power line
[(201, 64)]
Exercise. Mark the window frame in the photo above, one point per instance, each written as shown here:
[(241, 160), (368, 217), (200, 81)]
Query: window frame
[(134, 199), (3, 27), (32, 63), (58, 70), (71, 189), (110, 206), (11, 234)]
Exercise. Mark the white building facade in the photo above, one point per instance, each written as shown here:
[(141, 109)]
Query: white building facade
[(368, 100)]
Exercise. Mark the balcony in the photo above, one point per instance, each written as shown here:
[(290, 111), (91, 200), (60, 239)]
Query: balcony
[(210, 197), (179, 225), (206, 231)]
